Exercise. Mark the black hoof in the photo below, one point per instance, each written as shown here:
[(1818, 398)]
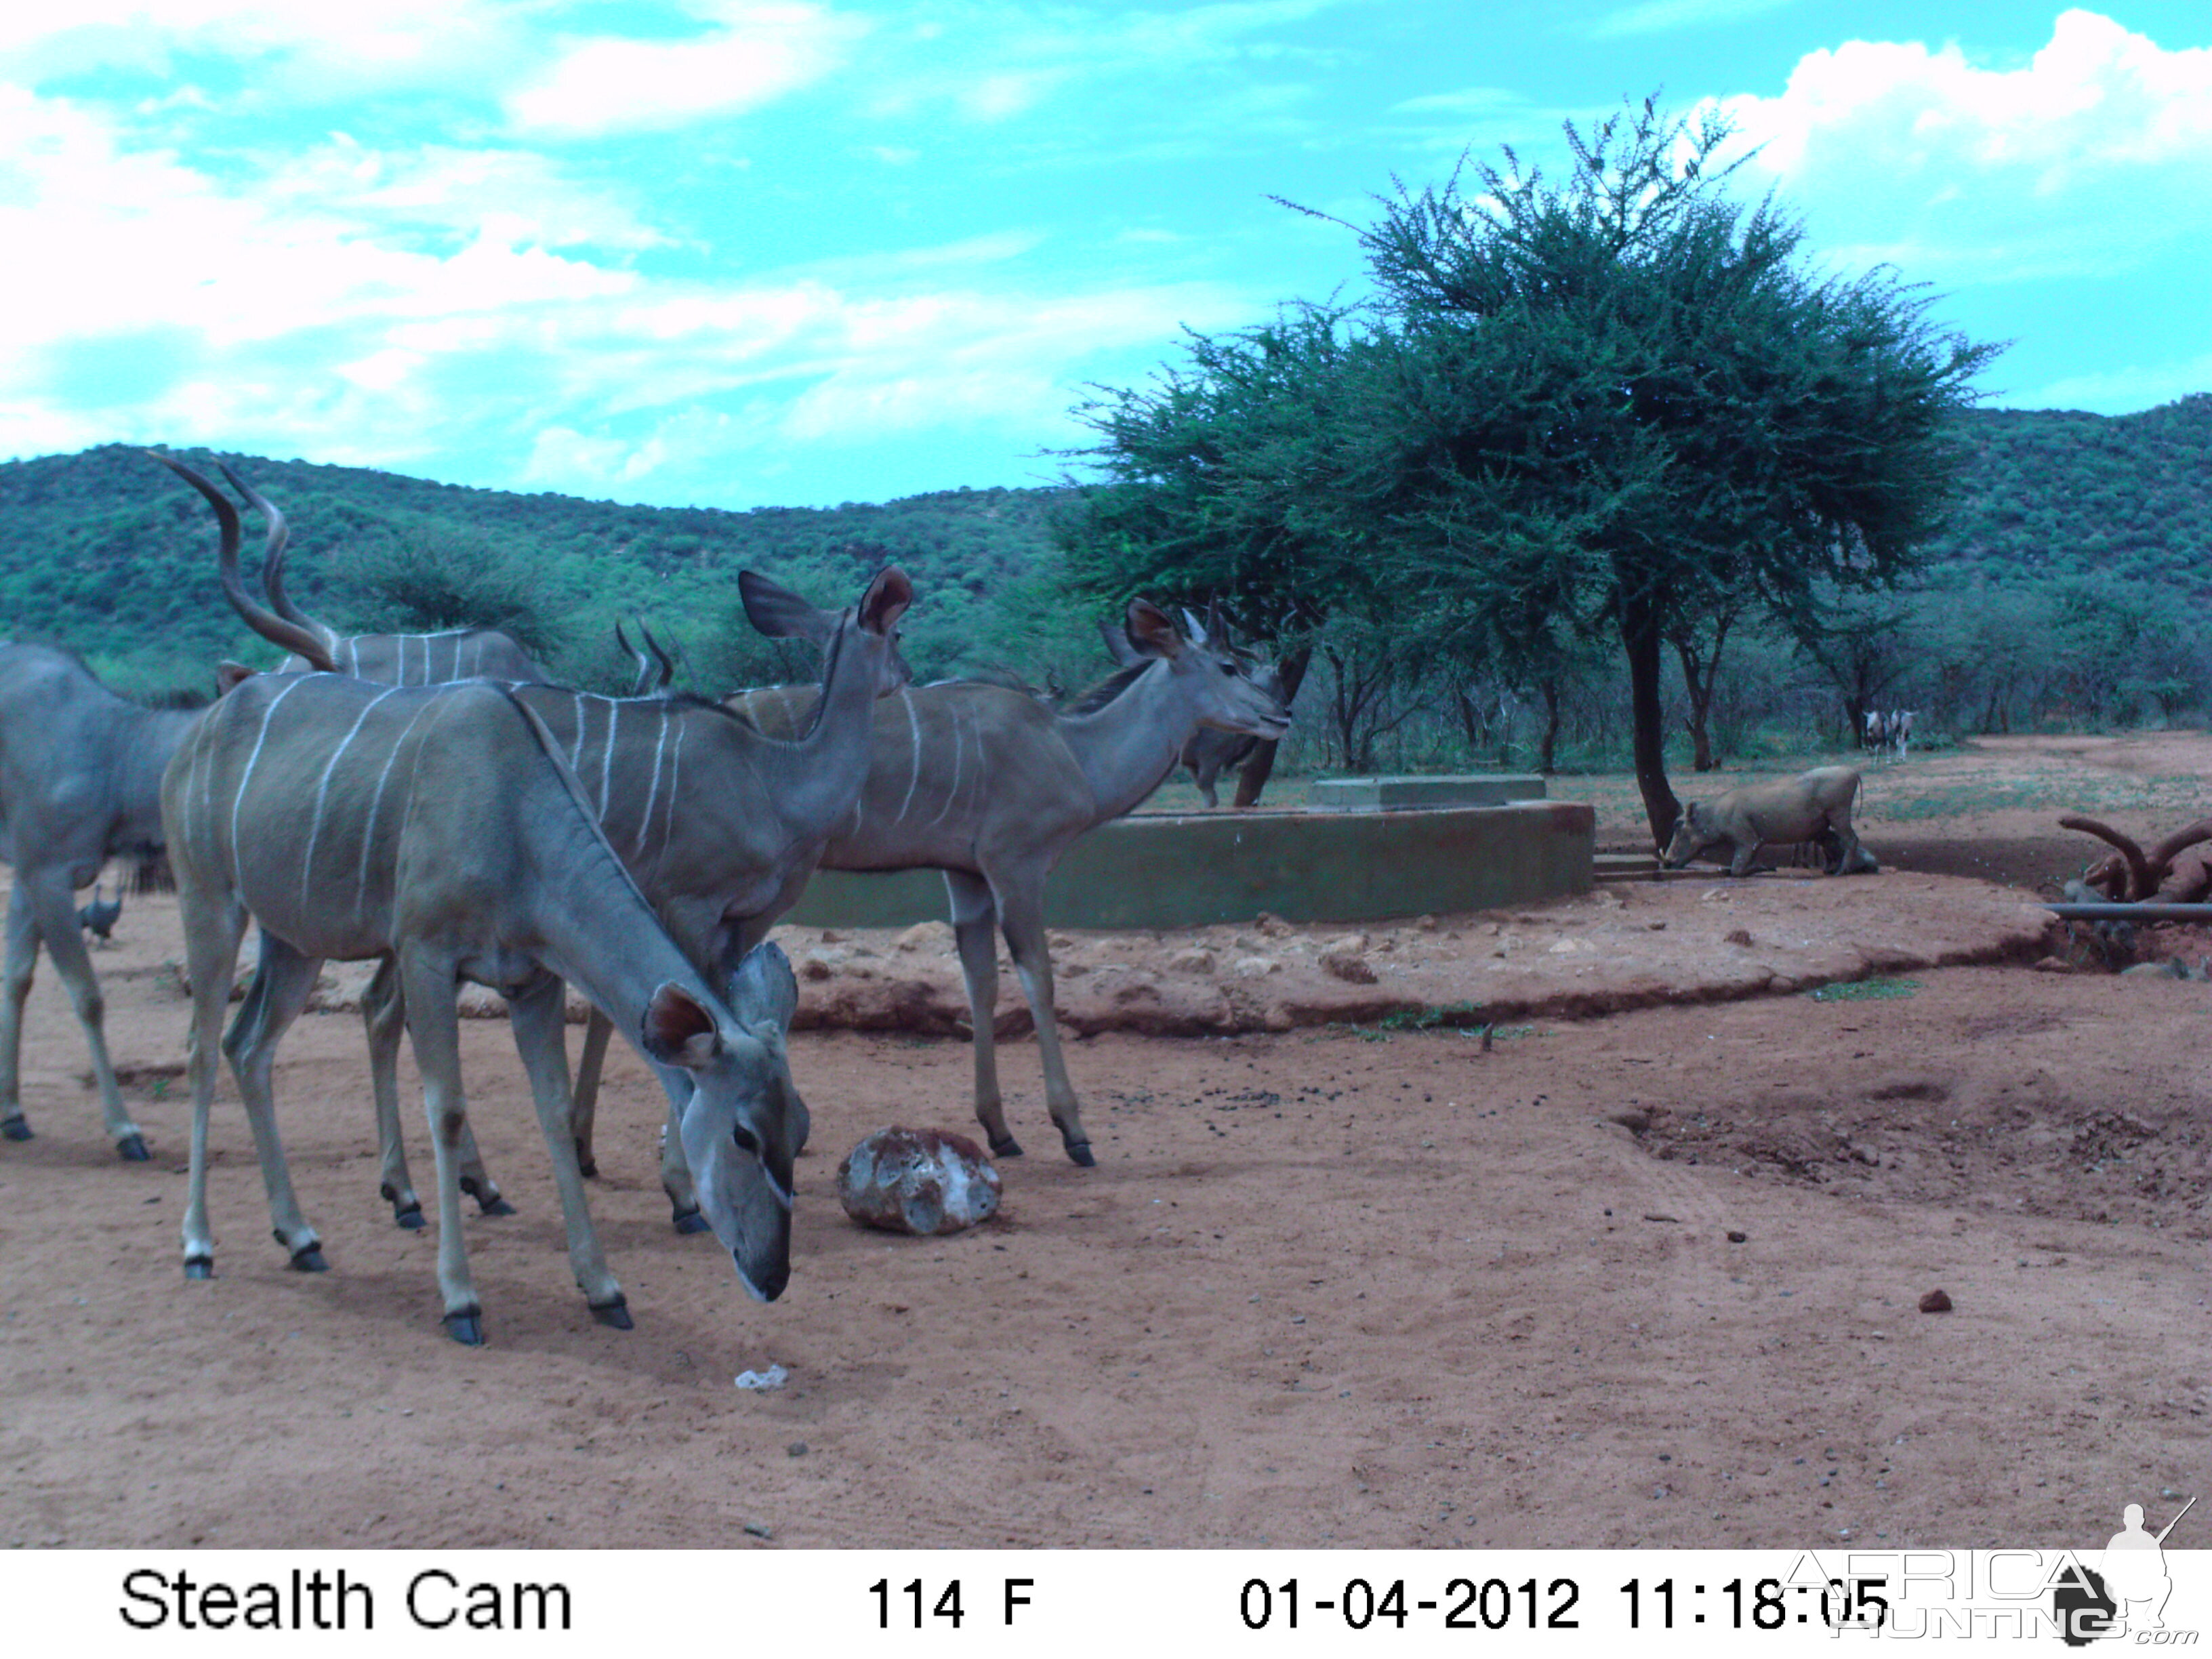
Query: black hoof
[(310, 1261), (131, 1149), (1079, 1151), (16, 1129), (1009, 1147), (466, 1329), (497, 1206), (588, 1167), (199, 1267), (615, 1313), (690, 1221), (410, 1217)]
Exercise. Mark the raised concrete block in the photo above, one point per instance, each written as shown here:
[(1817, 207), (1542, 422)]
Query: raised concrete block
[(1424, 793), (1163, 871)]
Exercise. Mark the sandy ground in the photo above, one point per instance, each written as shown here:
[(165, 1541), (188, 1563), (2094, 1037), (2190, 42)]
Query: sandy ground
[(1647, 1277)]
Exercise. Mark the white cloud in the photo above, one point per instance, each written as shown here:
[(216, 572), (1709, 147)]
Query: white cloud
[(2119, 391), (316, 52), (753, 56), (2092, 156), (1662, 16), (401, 308)]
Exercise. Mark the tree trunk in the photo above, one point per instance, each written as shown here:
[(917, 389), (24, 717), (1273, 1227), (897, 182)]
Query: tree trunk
[(1698, 678), (1639, 633), (1547, 751), (1261, 764)]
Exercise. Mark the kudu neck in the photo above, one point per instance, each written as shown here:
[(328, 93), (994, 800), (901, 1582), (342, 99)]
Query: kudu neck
[(1128, 748), (823, 769)]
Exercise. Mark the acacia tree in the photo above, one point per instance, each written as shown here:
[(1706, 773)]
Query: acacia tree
[(1694, 422), (1617, 405)]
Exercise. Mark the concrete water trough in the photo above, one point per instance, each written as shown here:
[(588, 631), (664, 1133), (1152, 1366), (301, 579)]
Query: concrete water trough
[(1192, 869)]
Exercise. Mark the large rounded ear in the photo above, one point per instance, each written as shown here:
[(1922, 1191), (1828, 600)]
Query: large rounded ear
[(678, 1029), (886, 600), (228, 676), (762, 990), (1151, 632), (781, 614)]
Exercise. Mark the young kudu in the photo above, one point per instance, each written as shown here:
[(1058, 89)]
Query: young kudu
[(442, 828), (991, 786), (79, 784), (712, 819)]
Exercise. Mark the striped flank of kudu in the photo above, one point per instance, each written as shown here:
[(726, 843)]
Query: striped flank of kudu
[(991, 786), (443, 828)]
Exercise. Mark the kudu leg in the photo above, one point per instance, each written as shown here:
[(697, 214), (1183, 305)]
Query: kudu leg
[(538, 1015), (973, 914), (1021, 915), (53, 910), (213, 928), (282, 981), (384, 1012), (685, 1214), (434, 1026), (590, 1064), (22, 962)]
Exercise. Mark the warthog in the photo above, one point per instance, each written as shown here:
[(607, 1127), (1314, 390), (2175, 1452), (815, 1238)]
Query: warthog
[(1815, 806)]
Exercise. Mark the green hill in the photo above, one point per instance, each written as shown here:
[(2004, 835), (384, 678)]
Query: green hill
[(2054, 494), (109, 554)]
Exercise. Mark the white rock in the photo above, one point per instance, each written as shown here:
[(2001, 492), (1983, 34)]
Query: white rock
[(918, 1180)]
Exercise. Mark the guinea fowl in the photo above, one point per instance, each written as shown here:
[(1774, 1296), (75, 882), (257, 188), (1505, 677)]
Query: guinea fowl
[(98, 917)]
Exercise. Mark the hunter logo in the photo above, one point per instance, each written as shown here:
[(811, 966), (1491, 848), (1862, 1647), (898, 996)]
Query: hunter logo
[(2126, 1594)]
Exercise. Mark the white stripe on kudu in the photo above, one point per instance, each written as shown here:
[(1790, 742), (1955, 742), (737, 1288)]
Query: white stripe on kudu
[(323, 794), (246, 778)]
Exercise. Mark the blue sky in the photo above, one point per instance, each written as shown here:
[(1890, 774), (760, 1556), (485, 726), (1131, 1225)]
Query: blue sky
[(731, 254)]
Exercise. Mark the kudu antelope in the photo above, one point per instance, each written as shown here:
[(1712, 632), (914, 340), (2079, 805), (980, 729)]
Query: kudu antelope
[(1209, 753), (79, 784), (713, 821), (991, 786), (442, 829)]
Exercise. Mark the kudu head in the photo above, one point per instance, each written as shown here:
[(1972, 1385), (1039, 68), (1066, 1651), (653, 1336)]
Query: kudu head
[(1226, 689), (738, 1127), (872, 625)]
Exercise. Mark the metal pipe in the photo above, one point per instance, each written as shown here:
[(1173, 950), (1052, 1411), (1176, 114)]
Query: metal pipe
[(2198, 913)]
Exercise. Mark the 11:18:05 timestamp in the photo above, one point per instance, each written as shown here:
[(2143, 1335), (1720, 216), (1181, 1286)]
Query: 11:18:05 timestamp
[(1769, 1604)]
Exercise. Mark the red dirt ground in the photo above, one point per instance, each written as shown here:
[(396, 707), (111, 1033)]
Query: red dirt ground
[(1331, 1284)]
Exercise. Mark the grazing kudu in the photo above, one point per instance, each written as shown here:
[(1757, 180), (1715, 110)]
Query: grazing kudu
[(1210, 752), (441, 828), (991, 786), (79, 784), (713, 820)]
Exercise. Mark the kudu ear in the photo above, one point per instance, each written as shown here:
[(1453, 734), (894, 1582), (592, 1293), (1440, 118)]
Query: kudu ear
[(886, 600), (762, 990), (780, 614), (1152, 632), (678, 1029), (228, 676)]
